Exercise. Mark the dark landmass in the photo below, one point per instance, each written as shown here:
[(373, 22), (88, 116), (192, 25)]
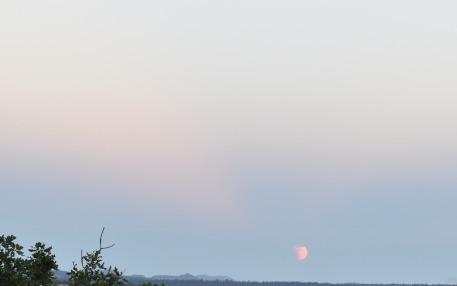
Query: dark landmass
[(270, 283), (63, 277), (208, 280)]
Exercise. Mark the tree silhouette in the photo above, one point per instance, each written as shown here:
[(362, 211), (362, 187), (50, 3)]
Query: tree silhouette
[(40, 265), (12, 263), (18, 271), (93, 270)]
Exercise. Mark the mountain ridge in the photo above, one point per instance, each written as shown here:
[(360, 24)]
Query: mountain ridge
[(62, 276)]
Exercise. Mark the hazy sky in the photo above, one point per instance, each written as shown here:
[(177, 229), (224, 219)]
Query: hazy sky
[(216, 136)]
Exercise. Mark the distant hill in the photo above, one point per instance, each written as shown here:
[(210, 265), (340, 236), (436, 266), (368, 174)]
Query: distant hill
[(207, 280), (169, 279), (62, 276), (188, 277)]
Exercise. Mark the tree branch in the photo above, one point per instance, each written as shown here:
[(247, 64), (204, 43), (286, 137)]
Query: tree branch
[(82, 263), (100, 244)]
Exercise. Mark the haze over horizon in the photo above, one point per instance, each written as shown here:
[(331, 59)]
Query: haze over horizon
[(217, 137)]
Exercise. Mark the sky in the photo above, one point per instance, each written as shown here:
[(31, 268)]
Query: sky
[(216, 137)]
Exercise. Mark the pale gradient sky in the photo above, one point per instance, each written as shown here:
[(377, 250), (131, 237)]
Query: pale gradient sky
[(216, 136)]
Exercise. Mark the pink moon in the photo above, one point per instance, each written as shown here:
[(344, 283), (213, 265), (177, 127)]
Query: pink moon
[(301, 252)]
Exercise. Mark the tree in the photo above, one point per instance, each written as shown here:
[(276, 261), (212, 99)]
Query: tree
[(18, 271), (12, 263), (93, 270), (40, 265)]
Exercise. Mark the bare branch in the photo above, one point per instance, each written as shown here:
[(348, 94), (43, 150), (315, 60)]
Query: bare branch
[(106, 247), (82, 263), (101, 239)]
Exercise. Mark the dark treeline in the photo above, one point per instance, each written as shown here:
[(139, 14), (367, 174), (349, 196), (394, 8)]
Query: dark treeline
[(140, 280)]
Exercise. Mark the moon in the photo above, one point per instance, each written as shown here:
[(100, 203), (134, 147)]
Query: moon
[(301, 252)]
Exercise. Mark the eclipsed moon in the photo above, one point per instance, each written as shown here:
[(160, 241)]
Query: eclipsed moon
[(301, 252)]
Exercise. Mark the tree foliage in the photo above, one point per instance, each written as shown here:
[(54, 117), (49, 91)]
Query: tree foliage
[(40, 265), (38, 268), (11, 262), (35, 270), (93, 271)]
